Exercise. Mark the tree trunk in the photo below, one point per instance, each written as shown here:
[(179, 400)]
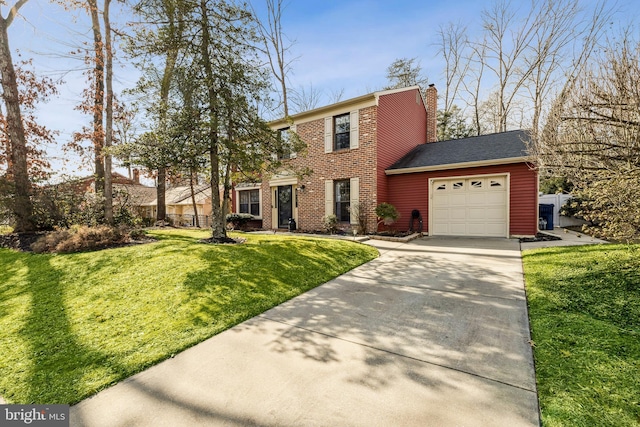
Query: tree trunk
[(193, 199), (161, 215), (219, 229), (98, 98), (165, 86), (18, 171), (108, 185)]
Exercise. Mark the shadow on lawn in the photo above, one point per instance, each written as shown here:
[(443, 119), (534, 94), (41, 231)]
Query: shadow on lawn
[(59, 362), (242, 281)]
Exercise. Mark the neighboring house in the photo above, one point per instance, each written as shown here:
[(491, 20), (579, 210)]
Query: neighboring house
[(382, 147), (126, 191), (179, 205)]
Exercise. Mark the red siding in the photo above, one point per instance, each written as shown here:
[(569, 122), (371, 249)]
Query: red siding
[(402, 125), (411, 191)]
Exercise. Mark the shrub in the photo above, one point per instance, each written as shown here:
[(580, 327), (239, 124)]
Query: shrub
[(238, 220), (330, 223), (361, 211), (387, 213), (81, 238), (137, 234)]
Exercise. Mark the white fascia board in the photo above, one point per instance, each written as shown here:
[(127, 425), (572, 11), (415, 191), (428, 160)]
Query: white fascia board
[(364, 101), (481, 163)]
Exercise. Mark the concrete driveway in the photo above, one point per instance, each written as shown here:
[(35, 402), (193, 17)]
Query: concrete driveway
[(434, 332)]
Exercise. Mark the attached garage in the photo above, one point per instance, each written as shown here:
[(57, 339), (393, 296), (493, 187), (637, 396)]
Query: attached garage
[(469, 206), (481, 186)]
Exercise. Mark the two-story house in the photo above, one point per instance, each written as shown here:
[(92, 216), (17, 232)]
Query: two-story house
[(370, 149)]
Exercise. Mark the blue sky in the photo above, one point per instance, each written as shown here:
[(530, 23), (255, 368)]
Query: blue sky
[(339, 45)]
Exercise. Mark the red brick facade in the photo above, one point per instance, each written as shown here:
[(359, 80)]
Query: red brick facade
[(402, 116)]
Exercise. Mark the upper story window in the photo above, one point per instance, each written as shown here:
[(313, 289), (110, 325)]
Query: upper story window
[(284, 149), (341, 130)]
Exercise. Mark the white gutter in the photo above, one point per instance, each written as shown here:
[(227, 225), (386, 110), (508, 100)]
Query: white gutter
[(449, 166)]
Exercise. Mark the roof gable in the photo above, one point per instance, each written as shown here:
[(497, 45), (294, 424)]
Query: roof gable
[(497, 148)]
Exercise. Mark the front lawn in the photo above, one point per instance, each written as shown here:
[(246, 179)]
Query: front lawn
[(584, 308), (71, 325)]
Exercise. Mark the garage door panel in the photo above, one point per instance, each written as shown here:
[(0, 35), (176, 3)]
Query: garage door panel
[(496, 229), (440, 214), (477, 198), (496, 214), (441, 229), (458, 200), (441, 199), (458, 229), (474, 206), (457, 214), (476, 214), (493, 198)]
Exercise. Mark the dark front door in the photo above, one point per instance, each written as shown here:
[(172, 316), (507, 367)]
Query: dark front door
[(285, 205)]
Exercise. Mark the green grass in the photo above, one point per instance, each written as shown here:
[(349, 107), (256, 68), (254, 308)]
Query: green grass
[(71, 325), (584, 307)]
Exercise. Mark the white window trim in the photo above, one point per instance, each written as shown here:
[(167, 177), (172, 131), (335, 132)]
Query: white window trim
[(354, 132), (256, 187), (329, 197)]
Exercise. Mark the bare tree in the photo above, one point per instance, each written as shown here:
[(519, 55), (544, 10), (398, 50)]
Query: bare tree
[(591, 136), (451, 46), (523, 56), (336, 95), (276, 47), (473, 84), (306, 98), (508, 41)]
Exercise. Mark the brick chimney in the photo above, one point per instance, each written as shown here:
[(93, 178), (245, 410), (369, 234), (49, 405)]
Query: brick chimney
[(432, 107), (136, 176)]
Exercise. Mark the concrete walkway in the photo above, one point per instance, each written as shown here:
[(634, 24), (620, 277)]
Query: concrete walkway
[(433, 332)]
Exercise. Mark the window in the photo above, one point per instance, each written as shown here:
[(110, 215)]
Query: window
[(250, 202), (458, 185), (476, 184), (284, 148), (339, 196), (342, 199), (341, 132)]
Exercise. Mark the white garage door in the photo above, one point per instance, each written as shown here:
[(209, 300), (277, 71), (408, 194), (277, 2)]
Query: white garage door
[(475, 206)]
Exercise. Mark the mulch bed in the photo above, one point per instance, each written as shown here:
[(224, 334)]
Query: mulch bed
[(540, 237), (20, 241), (23, 241), (223, 241)]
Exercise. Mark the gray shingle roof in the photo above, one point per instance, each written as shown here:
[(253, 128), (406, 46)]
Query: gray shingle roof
[(497, 146)]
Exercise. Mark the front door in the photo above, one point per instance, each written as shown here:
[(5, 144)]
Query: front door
[(285, 205)]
